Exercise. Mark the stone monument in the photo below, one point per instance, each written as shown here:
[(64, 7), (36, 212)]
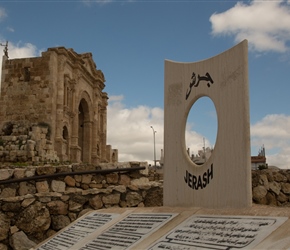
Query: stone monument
[(224, 180)]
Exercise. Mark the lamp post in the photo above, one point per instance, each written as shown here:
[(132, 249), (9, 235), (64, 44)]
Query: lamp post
[(154, 145)]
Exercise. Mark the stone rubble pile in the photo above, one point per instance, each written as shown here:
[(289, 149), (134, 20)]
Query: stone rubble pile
[(271, 187), (33, 210), (24, 144)]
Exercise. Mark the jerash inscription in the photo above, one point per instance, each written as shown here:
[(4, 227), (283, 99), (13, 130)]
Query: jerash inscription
[(63, 188)]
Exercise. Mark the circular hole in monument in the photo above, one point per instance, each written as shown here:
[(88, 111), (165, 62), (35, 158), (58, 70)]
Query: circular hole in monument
[(201, 130)]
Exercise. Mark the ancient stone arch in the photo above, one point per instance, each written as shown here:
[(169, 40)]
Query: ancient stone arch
[(63, 91)]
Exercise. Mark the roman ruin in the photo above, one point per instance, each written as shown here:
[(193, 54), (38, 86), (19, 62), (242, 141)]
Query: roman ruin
[(53, 108)]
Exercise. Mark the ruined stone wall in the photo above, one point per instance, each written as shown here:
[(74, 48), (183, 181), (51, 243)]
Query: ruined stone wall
[(271, 187), (33, 210), (26, 92), (64, 90), (27, 144)]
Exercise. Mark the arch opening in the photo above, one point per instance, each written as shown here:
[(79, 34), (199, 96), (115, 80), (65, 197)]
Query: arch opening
[(84, 131), (201, 130)]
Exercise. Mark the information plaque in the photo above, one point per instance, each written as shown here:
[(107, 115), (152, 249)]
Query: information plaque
[(219, 232), (129, 231), (78, 231)]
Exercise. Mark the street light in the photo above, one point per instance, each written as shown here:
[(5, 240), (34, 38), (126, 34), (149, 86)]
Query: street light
[(154, 145)]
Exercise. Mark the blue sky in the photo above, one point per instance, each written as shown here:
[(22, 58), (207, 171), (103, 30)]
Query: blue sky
[(130, 40)]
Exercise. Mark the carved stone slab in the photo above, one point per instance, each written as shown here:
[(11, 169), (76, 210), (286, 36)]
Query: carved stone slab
[(225, 179), (129, 231), (219, 232), (78, 231)]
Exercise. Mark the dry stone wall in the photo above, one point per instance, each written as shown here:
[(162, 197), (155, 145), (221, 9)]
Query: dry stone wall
[(271, 187), (33, 210)]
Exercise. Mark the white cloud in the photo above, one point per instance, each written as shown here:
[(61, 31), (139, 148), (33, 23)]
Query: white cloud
[(10, 29), (265, 24), (129, 130), (20, 50), (273, 132), (100, 2), (2, 13)]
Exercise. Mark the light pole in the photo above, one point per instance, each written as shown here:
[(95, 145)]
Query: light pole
[(154, 145)]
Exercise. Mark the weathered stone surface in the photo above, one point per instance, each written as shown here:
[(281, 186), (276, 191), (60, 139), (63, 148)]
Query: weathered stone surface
[(59, 222), (271, 200), (58, 186), (78, 178), (285, 187), (120, 188), (3, 247), (34, 219), (112, 178), (111, 199), (81, 213), (30, 172), (282, 198), (133, 199), (13, 230), (26, 188), (19, 241), (70, 181), (141, 183), (8, 192), (6, 174), (275, 187), (264, 181), (259, 192), (96, 202), (27, 202), (4, 226), (86, 178), (124, 180), (11, 207), (57, 207), (278, 177), (154, 197), (98, 178), (74, 206), (42, 187), (45, 170), (19, 173)]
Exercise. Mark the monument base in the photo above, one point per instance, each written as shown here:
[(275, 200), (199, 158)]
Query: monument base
[(257, 227)]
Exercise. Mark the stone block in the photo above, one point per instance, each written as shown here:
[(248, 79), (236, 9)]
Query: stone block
[(96, 202), (112, 178), (30, 172), (111, 199), (58, 186), (30, 154), (42, 187), (8, 192), (133, 199), (70, 181), (86, 178), (19, 173), (6, 174), (275, 187), (45, 170)]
